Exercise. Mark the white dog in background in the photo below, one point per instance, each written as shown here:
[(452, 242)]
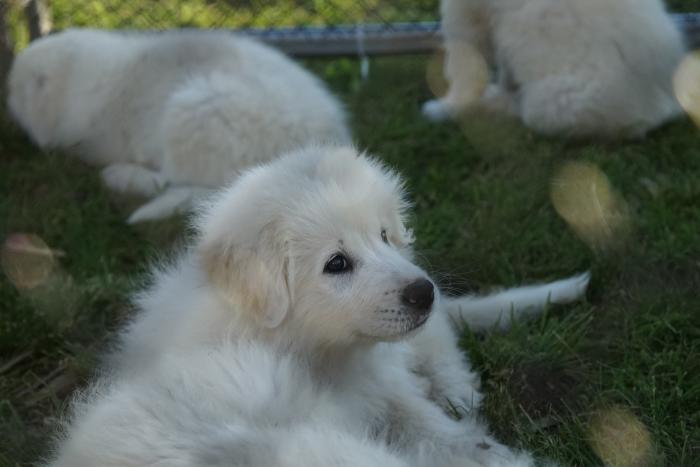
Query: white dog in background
[(581, 68), (297, 331), (169, 114)]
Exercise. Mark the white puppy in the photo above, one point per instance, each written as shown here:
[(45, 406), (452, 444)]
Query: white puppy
[(305, 260), (169, 114), (579, 68)]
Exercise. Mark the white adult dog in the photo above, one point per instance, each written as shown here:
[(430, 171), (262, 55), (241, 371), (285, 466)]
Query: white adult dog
[(579, 68), (169, 114), (298, 331)]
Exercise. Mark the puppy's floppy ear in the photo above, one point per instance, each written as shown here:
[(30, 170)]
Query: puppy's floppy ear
[(253, 275)]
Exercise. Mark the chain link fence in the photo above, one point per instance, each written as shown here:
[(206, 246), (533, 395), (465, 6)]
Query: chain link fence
[(299, 27), (274, 18)]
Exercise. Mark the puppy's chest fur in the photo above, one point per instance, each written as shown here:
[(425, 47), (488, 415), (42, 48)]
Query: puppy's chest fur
[(370, 388)]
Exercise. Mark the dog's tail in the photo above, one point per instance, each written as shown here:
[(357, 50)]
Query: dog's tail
[(487, 312), (174, 200)]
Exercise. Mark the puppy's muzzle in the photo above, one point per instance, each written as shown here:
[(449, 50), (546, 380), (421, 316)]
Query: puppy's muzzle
[(418, 296)]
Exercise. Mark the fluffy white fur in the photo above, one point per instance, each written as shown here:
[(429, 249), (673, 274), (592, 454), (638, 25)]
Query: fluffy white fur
[(249, 351), (582, 68), (168, 114)]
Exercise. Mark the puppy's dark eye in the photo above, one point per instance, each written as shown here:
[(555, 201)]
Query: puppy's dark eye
[(338, 264), (385, 239)]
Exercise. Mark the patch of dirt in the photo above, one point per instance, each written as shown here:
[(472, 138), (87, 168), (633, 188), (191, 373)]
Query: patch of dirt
[(544, 388)]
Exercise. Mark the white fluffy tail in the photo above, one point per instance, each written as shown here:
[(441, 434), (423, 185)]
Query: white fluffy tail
[(174, 200), (484, 313)]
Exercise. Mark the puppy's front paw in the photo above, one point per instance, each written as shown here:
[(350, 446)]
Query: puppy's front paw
[(456, 390), (436, 111), (463, 401), (151, 211)]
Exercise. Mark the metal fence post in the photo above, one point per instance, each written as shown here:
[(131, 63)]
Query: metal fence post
[(38, 17), (6, 45)]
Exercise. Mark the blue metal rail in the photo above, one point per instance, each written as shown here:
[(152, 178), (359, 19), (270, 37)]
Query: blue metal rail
[(388, 38)]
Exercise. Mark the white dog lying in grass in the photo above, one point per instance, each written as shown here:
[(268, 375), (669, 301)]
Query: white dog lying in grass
[(298, 331), (169, 114), (581, 68)]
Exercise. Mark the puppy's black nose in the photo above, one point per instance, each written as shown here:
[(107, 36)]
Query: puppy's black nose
[(418, 295)]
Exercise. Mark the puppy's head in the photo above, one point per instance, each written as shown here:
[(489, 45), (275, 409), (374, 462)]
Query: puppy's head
[(316, 242), (35, 88), (59, 83)]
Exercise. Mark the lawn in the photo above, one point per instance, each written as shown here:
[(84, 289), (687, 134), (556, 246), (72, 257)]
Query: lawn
[(616, 376)]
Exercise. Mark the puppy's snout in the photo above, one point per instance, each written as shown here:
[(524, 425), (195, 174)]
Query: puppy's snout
[(418, 295)]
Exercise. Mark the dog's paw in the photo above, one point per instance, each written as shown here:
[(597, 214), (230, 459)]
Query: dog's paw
[(146, 213), (174, 200), (152, 211), (436, 111), (456, 390), (461, 403), (133, 179)]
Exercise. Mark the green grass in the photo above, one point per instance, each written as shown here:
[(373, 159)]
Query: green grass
[(483, 217)]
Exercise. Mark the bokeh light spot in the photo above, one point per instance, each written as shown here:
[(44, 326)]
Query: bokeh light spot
[(584, 198), (686, 85), (620, 439), (26, 260), (435, 77)]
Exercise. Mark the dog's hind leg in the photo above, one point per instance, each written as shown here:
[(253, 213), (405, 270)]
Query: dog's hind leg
[(467, 74), (484, 313), (172, 201), (468, 51), (133, 179)]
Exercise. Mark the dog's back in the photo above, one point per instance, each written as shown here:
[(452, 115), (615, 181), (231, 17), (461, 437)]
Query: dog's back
[(596, 67)]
